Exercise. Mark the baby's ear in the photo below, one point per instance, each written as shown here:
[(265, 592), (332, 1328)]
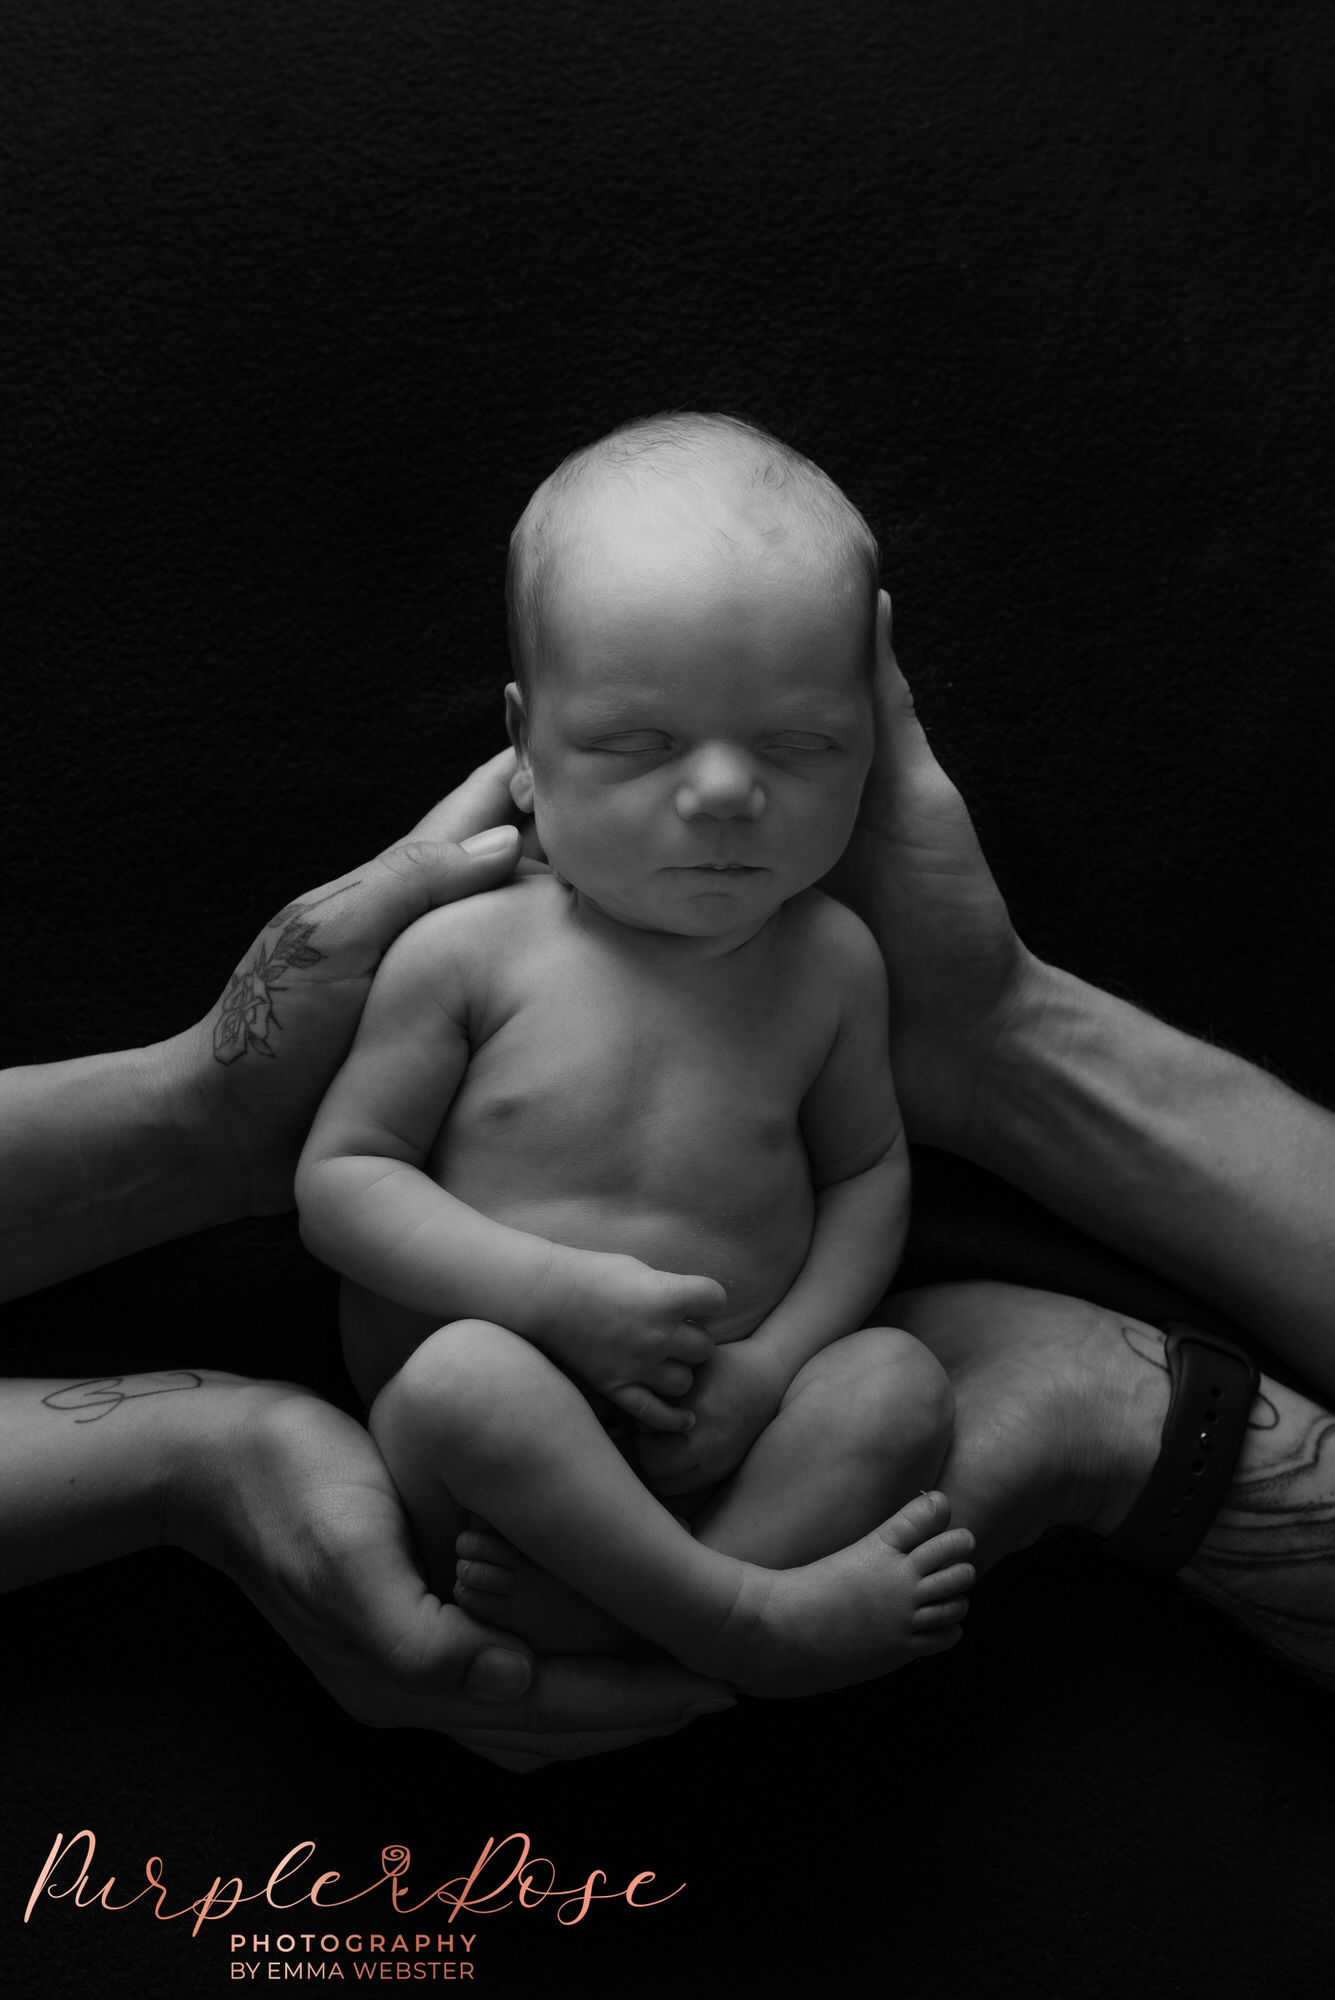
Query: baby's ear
[(516, 722)]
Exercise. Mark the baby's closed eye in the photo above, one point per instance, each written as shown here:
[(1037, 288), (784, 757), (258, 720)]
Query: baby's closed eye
[(797, 742), (634, 743)]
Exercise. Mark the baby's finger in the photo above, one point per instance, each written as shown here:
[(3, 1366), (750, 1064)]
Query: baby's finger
[(697, 1298), (670, 1378), (646, 1408), (689, 1342)]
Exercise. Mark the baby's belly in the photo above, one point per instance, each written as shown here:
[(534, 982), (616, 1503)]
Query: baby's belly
[(755, 1251), (754, 1257)]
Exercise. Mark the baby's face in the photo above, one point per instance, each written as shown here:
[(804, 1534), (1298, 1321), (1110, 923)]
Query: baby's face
[(698, 739)]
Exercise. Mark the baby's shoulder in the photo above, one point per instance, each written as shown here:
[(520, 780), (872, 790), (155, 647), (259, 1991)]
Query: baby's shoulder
[(457, 939), (831, 941)]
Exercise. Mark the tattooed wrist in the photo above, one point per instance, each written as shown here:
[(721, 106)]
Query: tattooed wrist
[(247, 1018)]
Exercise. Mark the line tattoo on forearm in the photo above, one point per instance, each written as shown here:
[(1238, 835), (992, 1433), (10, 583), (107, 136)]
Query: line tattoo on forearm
[(247, 1017), (1269, 1558), (89, 1402)]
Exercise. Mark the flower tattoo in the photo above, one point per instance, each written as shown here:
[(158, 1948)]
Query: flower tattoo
[(247, 1015)]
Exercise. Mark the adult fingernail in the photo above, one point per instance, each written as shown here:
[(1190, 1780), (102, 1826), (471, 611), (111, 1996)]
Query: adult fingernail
[(714, 1707), (491, 841), (498, 1675)]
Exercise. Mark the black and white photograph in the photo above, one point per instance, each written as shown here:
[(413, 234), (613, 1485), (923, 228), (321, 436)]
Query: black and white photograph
[(667, 1185)]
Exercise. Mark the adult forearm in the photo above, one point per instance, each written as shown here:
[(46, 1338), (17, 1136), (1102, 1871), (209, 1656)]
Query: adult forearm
[(98, 1158), (84, 1466), (1191, 1160)]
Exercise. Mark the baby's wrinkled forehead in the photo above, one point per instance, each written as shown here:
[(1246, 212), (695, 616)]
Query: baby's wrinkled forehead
[(673, 513), (638, 538)]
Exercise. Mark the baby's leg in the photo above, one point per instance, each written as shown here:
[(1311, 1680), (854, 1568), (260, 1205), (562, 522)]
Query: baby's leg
[(864, 1426), (478, 1420), (436, 1423)]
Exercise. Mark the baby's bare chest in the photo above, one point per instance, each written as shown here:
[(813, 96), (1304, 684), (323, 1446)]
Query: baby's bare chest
[(591, 1076)]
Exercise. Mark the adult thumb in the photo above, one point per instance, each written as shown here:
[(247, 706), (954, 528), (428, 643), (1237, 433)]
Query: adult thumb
[(419, 875), (900, 740)]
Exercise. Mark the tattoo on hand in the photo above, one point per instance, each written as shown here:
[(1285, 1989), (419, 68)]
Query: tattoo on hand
[(96, 1399), (247, 1017)]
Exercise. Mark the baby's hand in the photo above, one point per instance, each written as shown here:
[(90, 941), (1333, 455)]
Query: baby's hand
[(734, 1397), (628, 1331)]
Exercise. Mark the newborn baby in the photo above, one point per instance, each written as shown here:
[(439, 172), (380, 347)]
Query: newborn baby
[(614, 1167)]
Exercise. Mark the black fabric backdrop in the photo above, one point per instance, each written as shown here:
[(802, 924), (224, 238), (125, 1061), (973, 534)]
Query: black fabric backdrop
[(298, 304)]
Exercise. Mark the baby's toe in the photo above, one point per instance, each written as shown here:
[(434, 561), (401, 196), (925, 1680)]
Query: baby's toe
[(484, 1576), (948, 1551), (952, 1581), (923, 1518), (922, 1644), (491, 1607), (486, 1546), (936, 1617), (484, 1604)]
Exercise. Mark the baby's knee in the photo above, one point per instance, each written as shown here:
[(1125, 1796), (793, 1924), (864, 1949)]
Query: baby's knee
[(896, 1387), (454, 1385)]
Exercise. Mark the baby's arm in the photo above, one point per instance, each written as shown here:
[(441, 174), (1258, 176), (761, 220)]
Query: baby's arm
[(860, 1171), (859, 1167), (369, 1209)]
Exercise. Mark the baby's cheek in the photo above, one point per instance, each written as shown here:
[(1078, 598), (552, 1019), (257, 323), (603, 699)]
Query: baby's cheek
[(828, 833), (556, 833), (577, 844)]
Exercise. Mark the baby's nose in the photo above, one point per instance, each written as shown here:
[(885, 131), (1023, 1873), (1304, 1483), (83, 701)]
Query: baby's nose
[(720, 783)]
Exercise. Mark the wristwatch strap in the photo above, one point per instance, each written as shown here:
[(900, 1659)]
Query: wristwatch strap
[(1213, 1384)]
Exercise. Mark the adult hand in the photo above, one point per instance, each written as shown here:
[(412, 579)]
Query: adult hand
[(292, 1500), (916, 874), (585, 1707), (256, 1067)]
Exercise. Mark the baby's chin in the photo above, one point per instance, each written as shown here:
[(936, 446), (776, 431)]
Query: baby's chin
[(706, 914)]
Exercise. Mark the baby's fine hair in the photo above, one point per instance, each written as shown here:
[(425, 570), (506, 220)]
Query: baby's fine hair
[(679, 443)]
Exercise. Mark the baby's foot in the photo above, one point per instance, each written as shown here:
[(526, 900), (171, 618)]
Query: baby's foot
[(499, 1584), (897, 1595)]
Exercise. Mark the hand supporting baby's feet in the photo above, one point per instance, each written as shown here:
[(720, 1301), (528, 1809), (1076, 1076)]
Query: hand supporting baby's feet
[(897, 1595), (499, 1584)]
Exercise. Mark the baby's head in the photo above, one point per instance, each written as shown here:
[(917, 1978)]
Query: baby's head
[(692, 626)]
